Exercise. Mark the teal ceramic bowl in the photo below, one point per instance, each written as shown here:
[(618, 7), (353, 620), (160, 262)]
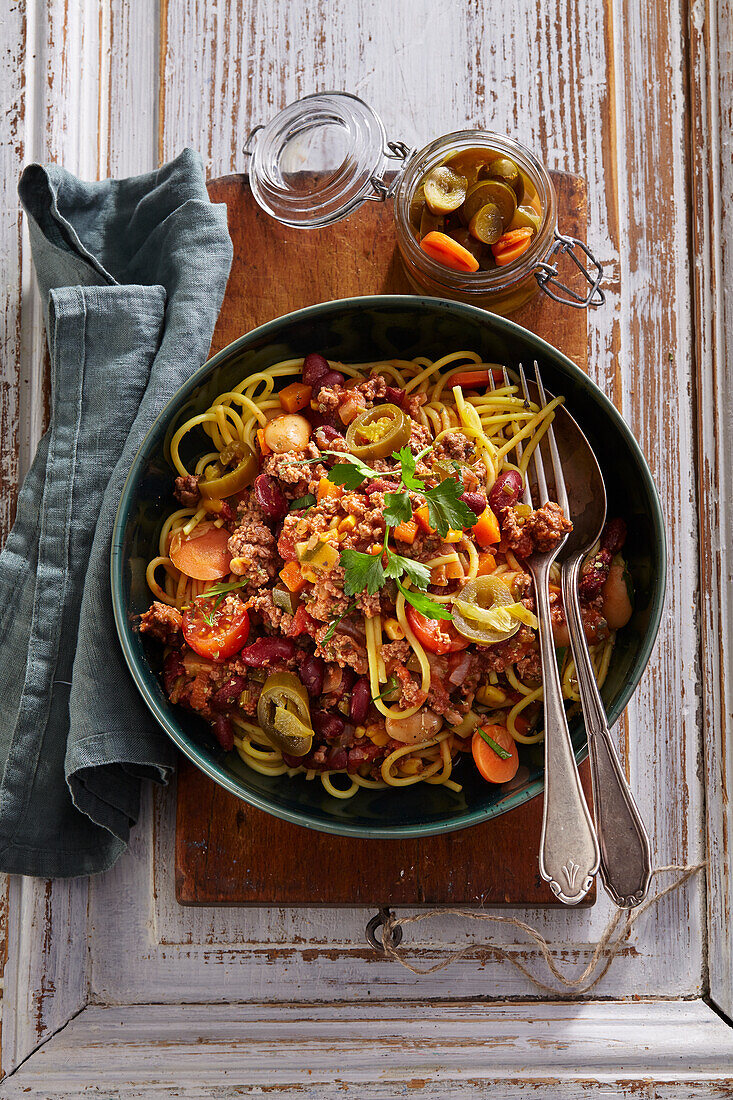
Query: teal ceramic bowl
[(359, 330)]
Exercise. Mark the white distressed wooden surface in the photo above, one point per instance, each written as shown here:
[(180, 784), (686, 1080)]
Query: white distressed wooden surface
[(386, 1050), (711, 42), (607, 90)]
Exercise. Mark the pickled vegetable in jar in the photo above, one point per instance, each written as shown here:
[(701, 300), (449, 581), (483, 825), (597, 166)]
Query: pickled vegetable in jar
[(477, 210)]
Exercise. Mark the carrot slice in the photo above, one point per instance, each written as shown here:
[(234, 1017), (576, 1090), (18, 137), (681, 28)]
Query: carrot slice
[(486, 564), (204, 554), (493, 767), (422, 515), (486, 530), (261, 440), (293, 577), (295, 397), (511, 245), (471, 379), (327, 489), (406, 532), (446, 251)]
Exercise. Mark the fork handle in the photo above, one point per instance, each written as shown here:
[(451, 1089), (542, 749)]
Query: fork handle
[(625, 849), (569, 854)]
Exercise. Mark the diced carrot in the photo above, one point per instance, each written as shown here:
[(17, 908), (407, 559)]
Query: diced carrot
[(472, 379), (486, 530), (448, 252), (453, 571), (204, 554), (292, 575), (486, 564), (422, 516), (350, 410), (493, 767), (295, 397), (405, 532), (511, 245), (261, 440), (554, 588), (327, 489)]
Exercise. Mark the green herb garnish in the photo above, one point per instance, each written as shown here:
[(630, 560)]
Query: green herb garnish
[(427, 607), (391, 685), (500, 752), (446, 510), (397, 508), (334, 623), (302, 502)]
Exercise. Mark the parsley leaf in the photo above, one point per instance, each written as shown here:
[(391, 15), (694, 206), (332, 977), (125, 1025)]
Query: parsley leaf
[(334, 623), (397, 508), (446, 510), (350, 473), (418, 573), (406, 459), (362, 572), (302, 502), (500, 752), (424, 604)]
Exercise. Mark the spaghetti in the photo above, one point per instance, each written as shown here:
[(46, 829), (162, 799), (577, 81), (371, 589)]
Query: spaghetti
[(361, 627)]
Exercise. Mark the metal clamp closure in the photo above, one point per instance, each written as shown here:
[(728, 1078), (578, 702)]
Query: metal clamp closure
[(376, 922), (247, 149), (396, 150), (547, 274)]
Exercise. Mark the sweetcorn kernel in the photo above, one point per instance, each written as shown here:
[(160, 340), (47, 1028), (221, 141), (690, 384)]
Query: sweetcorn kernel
[(453, 535), (347, 524), (393, 630)]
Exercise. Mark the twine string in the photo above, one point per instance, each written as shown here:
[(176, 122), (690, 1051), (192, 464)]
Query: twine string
[(603, 955)]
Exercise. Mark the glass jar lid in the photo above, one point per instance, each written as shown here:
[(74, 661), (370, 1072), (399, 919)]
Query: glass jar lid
[(319, 159)]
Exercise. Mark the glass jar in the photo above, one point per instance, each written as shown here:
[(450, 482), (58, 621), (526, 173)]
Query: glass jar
[(325, 155)]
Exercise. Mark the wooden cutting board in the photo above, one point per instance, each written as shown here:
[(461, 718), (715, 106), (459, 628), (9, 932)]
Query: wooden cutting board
[(228, 853)]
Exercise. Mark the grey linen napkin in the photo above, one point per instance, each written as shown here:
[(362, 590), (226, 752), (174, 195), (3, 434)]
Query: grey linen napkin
[(132, 274)]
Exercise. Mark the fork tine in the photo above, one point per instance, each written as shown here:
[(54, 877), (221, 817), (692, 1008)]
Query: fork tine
[(536, 454), (526, 494), (560, 490)]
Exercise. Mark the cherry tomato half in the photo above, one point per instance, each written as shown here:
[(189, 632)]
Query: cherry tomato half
[(216, 632), (436, 635)]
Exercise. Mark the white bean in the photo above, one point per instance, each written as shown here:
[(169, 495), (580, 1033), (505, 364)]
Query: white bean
[(288, 433), (417, 728)]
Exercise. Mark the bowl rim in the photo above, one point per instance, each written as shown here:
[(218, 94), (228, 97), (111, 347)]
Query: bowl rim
[(507, 328)]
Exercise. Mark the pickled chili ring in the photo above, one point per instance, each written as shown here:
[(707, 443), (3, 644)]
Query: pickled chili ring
[(385, 439)]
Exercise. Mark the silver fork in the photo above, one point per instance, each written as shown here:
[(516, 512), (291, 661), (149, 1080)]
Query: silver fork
[(569, 852)]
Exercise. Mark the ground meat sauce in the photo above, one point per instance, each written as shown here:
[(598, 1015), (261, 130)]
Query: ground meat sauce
[(318, 630)]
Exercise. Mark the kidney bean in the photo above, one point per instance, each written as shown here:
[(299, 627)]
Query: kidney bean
[(328, 726), (395, 397), (505, 491), (228, 694), (224, 732), (337, 758), (614, 536), (361, 696), (172, 668), (347, 679), (332, 378), (314, 367), (475, 501), (312, 672), (270, 496), (330, 433), (266, 651), (362, 753)]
